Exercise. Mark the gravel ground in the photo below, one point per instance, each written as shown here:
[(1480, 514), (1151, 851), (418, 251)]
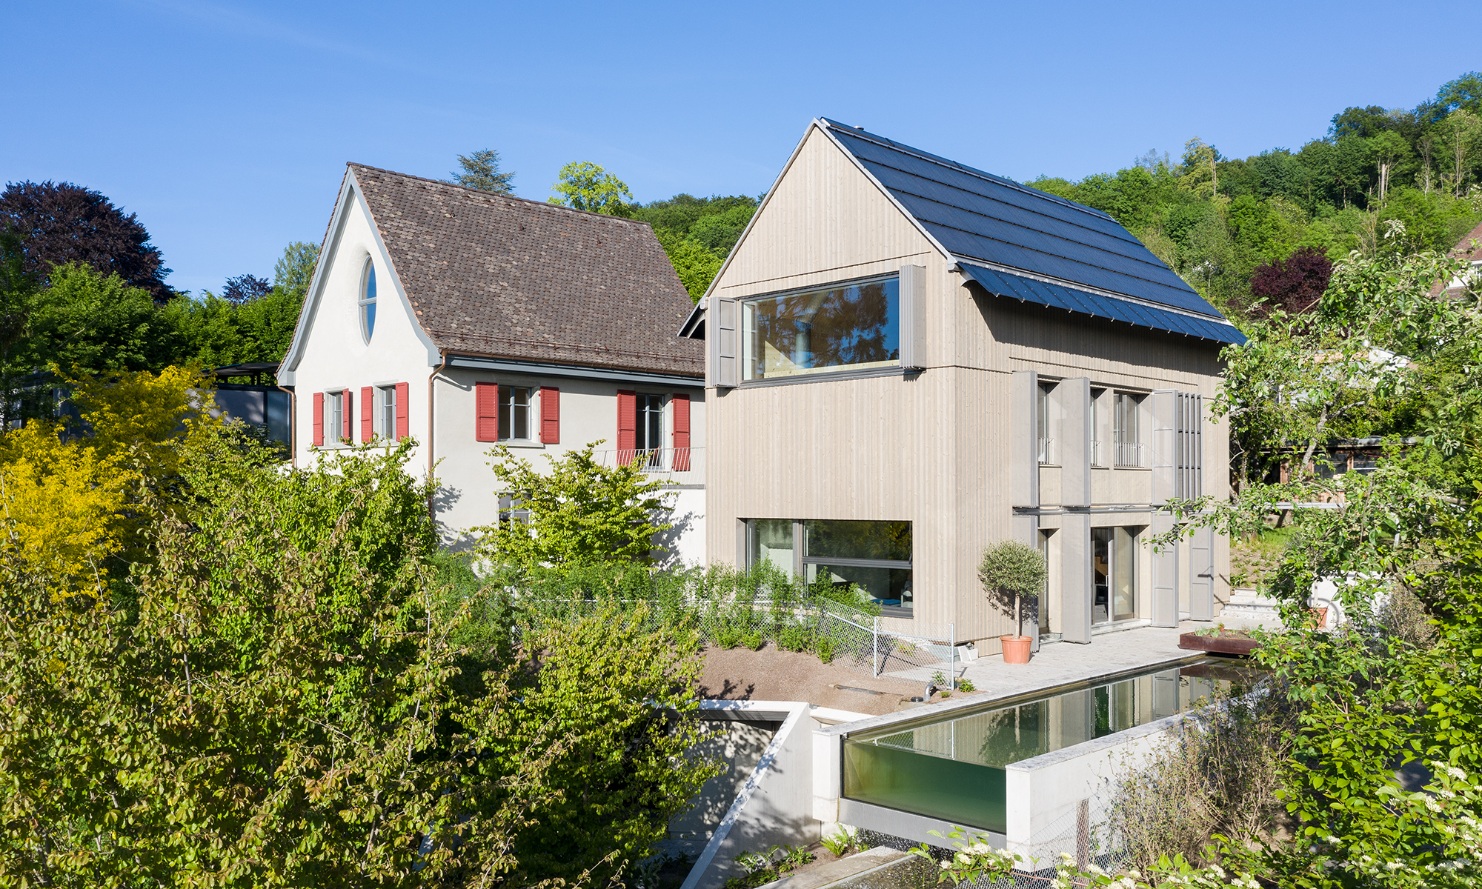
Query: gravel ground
[(773, 675)]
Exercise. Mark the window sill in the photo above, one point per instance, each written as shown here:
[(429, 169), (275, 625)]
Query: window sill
[(799, 379), (516, 443), (1135, 468)]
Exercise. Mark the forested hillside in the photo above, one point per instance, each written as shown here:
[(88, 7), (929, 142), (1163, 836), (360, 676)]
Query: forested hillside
[(1380, 180)]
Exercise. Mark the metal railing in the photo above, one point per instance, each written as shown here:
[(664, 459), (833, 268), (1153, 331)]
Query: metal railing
[(1129, 454), (1098, 453), (1046, 450), (687, 462)]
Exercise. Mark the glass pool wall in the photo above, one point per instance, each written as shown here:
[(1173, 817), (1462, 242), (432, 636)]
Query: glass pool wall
[(952, 767)]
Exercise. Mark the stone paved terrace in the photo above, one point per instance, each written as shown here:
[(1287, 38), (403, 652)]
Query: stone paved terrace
[(1059, 663)]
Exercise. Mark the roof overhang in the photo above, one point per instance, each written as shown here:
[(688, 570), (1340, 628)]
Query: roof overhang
[(501, 365), (1015, 284)]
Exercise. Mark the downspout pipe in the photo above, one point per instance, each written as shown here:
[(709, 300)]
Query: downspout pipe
[(432, 427)]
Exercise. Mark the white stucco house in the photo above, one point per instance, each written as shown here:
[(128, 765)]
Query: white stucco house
[(464, 319)]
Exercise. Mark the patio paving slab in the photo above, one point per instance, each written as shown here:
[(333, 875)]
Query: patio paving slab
[(1060, 663)]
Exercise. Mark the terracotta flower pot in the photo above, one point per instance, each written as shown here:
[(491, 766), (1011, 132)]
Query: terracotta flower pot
[(1015, 649)]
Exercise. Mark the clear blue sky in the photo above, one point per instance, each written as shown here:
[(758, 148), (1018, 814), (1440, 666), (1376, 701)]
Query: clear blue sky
[(225, 124)]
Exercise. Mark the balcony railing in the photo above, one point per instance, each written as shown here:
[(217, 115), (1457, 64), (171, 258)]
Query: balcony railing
[(1046, 451), (680, 464), (1129, 454), (1098, 453)]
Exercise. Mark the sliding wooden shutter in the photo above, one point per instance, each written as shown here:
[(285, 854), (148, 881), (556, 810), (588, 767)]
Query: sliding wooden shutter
[(627, 426), (486, 407), (403, 424), (550, 415), (318, 419), (367, 413), (720, 330), (681, 404)]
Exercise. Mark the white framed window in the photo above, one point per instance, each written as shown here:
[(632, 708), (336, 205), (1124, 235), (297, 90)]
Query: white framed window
[(367, 299), (334, 417), (384, 423), (648, 435), (514, 413), (512, 511)]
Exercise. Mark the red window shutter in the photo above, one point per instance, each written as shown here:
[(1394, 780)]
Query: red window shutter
[(403, 425), (486, 407), (347, 416), (681, 404), (367, 413), (318, 419), (627, 427), (550, 415)]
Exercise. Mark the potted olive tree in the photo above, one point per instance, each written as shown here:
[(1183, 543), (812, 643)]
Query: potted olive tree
[(1013, 573)]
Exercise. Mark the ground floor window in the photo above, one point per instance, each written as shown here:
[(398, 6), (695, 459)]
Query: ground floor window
[(1114, 574), (874, 556)]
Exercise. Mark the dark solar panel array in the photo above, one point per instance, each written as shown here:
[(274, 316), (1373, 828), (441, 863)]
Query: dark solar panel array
[(1058, 296), (978, 215)]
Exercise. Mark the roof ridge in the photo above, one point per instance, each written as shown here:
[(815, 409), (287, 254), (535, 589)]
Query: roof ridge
[(860, 132), (489, 194)]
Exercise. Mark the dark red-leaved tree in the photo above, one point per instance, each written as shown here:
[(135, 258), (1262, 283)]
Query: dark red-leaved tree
[(1293, 284), (61, 222)]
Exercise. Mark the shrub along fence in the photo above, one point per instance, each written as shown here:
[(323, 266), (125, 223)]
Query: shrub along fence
[(732, 609)]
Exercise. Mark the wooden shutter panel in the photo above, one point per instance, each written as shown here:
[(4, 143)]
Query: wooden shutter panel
[(318, 419), (627, 426), (550, 415), (367, 413), (486, 411), (681, 404), (912, 287), (347, 416), (720, 329), (403, 424)]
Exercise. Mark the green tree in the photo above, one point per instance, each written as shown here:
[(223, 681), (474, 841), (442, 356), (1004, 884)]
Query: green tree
[(695, 264), (295, 268), (1013, 572), (586, 186), (87, 321), (580, 512), (480, 170), (276, 698)]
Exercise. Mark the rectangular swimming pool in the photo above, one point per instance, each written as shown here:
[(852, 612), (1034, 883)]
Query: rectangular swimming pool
[(951, 766)]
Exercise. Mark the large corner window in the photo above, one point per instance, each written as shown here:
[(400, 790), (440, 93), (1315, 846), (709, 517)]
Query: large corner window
[(847, 327), (873, 556), (367, 300)]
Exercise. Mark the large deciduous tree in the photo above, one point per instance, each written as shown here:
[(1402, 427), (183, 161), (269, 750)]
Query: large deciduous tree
[(61, 223), (583, 185)]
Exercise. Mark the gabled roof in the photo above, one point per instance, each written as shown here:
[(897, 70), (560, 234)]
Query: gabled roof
[(1022, 243), (1470, 246), (498, 276)]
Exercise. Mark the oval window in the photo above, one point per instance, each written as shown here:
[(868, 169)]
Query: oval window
[(368, 300)]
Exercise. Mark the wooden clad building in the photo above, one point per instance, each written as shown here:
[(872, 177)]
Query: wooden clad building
[(909, 359)]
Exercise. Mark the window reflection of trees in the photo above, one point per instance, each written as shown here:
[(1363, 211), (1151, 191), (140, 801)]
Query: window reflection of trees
[(830, 328)]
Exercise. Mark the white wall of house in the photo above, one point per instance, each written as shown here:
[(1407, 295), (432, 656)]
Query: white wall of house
[(588, 416), (335, 355)]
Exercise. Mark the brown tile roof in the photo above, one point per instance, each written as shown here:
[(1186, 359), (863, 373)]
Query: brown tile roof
[(499, 276), (1470, 245)]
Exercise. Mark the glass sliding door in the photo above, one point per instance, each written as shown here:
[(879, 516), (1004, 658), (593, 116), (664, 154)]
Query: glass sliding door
[(1124, 574), (1113, 574), (1101, 555)]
